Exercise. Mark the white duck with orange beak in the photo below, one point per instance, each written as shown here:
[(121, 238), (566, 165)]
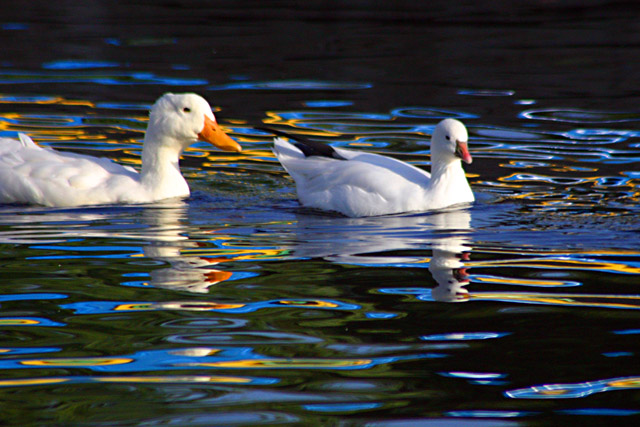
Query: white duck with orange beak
[(30, 174), (360, 184)]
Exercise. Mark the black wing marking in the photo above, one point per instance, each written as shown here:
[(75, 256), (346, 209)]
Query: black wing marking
[(307, 146)]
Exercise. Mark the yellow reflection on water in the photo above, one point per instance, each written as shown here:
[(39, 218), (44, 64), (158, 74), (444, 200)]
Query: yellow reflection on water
[(572, 300), (184, 305), (221, 255), (565, 264), (516, 281), (309, 303), (273, 118), (626, 383), (32, 381), (7, 321), (283, 363), (169, 379), (176, 379), (5, 99), (80, 361)]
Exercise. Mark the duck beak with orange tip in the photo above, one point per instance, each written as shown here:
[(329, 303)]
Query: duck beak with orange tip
[(462, 151), (214, 135)]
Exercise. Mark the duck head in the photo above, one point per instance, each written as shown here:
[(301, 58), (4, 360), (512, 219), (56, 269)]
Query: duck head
[(186, 118), (449, 142)]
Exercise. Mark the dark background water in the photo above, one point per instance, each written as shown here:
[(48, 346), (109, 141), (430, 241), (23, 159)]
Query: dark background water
[(236, 307)]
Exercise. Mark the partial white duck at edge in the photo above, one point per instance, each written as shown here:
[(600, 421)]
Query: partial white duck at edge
[(359, 184), (30, 174)]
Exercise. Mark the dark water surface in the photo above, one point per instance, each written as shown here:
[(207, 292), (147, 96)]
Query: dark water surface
[(236, 307)]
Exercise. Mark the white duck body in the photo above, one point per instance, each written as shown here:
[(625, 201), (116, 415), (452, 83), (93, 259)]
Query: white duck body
[(30, 174), (358, 184)]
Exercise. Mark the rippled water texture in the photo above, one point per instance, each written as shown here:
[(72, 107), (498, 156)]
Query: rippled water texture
[(237, 307)]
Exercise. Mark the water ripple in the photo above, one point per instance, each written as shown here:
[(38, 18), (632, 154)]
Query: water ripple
[(107, 78), (219, 357), (578, 116), (94, 307), (244, 338), (302, 85), (575, 390), (139, 379)]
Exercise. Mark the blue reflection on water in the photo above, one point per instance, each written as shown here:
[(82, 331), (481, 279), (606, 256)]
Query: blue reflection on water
[(77, 65), (422, 294), (464, 336), (600, 412), (292, 85), (381, 315), (25, 297), (489, 414), (342, 407), (28, 350), (575, 390), (618, 354), (96, 252), (487, 278), (28, 99), (327, 104), (21, 321), (95, 307), (431, 113), (220, 357), (578, 116), (188, 379), (486, 92), (474, 375), (627, 332), (104, 78), (14, 26), (122, 106)]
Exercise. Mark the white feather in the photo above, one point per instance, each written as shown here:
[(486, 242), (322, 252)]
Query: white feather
[(30, 174), (369, 184)]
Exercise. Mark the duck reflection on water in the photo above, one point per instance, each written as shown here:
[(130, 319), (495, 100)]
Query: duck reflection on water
[(167, 240), (158, 234), (158, 228), (377, 241), (372, 241), (448, 269)]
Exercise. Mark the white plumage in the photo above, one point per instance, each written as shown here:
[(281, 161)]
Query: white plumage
[(30, 174), (358, 184)]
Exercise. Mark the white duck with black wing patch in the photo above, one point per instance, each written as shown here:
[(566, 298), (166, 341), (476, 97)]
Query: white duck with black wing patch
[(359, 184)]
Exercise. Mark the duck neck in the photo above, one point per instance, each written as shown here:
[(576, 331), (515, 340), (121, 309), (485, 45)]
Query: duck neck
[(448, 182), (441, 170), (161, 167)]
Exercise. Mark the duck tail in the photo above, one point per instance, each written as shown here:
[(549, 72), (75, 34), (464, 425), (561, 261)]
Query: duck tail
[(26, 141)]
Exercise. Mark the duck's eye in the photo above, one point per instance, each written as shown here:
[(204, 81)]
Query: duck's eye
[(186, 109), (448, 138)]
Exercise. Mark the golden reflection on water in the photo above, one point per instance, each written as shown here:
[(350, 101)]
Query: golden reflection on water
[(78, 361), (176, 379), (283, 363), (169, 379), (274, 118), (519, 281), (177, 305), (7, 99), (32, 381), (215, 306), (8, 321), (564, 264), (568, 300)]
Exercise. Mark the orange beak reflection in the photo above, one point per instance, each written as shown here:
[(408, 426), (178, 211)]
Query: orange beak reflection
[(214, 135)]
